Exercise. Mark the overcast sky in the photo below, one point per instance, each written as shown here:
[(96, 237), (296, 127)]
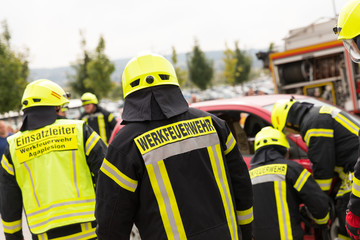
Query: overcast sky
[(50, 28)]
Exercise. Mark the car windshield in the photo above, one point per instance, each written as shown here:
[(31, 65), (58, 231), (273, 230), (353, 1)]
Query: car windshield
[(317, 102)]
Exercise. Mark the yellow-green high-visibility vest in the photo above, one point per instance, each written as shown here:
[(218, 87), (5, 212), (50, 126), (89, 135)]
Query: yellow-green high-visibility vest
[(52, 173)]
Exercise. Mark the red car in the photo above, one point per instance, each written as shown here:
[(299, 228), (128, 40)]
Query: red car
[(246, 116)]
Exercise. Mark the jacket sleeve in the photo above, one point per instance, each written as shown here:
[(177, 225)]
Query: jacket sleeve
[(10, 200), (95, 150), (112, 121), (354, 203), (321, 151), (117, 194), (241, 183), (309, 192)]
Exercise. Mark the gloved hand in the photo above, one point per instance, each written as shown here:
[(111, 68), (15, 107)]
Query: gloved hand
[(353, 225)]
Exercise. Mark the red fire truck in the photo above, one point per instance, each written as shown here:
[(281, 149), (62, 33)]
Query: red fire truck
[(315, 63)]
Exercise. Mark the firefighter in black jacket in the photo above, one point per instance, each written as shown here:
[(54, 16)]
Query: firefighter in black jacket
[(102, 121), (49, 170), (279, 187), (174, 171), (348, 30), (332, 140)]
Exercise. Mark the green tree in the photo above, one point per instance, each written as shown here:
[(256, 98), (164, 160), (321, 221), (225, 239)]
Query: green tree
[(116, 92), (271, 47), (200, 68), (100, 69), (92, 71), (243, 65), (14, 71), (229, 65), (77, 80), (180, 73)]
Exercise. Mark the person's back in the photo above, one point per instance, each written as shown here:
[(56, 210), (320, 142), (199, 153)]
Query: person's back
[(348, 31), (331, 137), (173, 171), (49, 170), (332, 140), (279, 187)]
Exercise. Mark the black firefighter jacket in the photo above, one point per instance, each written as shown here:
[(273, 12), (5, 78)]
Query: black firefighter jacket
[(279, 187), (177, 178), (354, 203), (332, 140), (102, 121)]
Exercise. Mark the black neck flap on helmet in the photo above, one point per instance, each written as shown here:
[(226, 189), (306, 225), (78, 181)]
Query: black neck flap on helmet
[(38, 117), (154, 103), (296, 114), (268, 154)]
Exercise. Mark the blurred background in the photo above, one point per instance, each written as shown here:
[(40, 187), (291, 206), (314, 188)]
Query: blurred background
[(219, 49)]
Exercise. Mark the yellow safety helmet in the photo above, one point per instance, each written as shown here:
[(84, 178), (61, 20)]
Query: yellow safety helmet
[(88, 98), (348, 28), (270, 136), (147, 71), (280, 112), (43, 92)]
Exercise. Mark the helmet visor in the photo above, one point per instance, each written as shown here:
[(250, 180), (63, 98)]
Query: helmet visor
[(353, 46)]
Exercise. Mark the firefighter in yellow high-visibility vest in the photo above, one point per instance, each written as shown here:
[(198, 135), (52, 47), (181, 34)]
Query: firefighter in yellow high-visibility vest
[(49, 170), (174, 171)]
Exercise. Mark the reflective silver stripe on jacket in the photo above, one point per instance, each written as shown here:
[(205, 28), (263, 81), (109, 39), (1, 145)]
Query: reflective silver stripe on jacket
[(102, 130), (73, 158), (355, 186), (301, 180), (12, 227), (91, 141), (120, 178), (32, 184), (61, 217), (167, 201), (283, 210), (318, 132), (214, 151), (59, 205), (230, 143), (267, 178), (180, 147)]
